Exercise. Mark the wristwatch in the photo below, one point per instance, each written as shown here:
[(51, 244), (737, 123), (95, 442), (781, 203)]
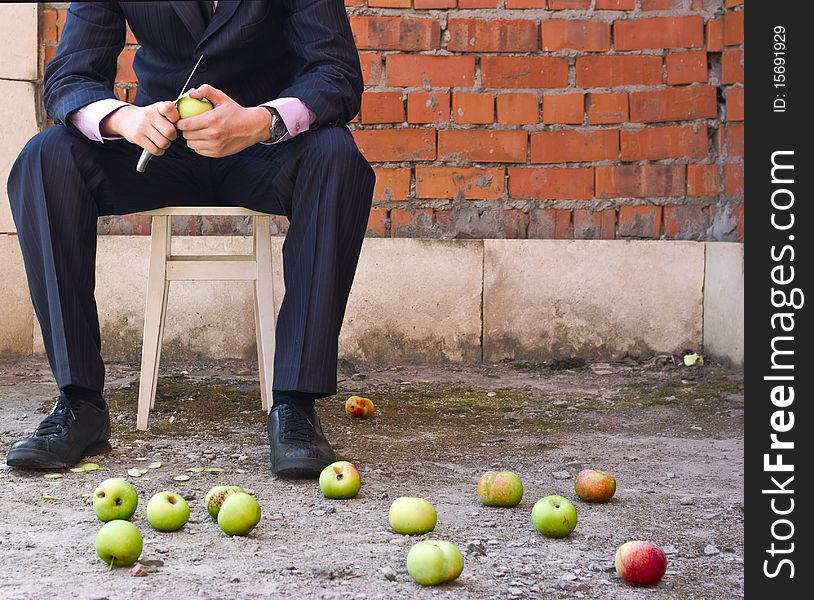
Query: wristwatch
[(278, 128)]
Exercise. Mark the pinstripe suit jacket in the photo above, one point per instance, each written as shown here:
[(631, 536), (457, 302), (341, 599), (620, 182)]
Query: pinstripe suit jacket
[(255, 51)]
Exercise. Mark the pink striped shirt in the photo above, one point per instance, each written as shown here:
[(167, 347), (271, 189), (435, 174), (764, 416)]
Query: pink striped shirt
[(296, 116)]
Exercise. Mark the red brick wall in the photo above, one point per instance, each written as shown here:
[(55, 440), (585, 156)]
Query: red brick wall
[(567, 119)]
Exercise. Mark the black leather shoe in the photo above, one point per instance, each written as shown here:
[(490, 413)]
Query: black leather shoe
[(67, 434), (298, 446)]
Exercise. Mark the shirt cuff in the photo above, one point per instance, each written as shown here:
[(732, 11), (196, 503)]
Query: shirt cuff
[(88, 118), (296, 116)]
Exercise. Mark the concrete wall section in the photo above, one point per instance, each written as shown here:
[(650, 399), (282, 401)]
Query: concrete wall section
[(16, 312), (18, 123), (723, 302), (595, 299), (18, 30)]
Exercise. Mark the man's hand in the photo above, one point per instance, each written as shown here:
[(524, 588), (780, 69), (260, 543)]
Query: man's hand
[(226, 129), (151, 127)]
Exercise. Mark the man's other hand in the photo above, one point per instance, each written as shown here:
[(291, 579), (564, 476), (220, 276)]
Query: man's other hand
[(151, 127), (226, 129)]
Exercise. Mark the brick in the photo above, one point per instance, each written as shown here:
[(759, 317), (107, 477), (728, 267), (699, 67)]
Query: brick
[(459, 183), (607, 108), (382, 107), (525, 3), (587, 36), (428, 107), (734, 140), (516, 223), (377, 223), (687, 67), (389, 3), (483, 145), (426, 4), (516, 72), (535, 183), (518, 109), (391, 184), (640, 221), (473, 107), (618, 70), (568, 4), (616, 4), (129, 36), (734, 104), (411, 222), (594, 224), (478, 3), (731, 3), (685, 222), (395, 33), (674, 104), (733, 28), (49, 52), (640, 181), (657, 4), (574, 146), (564, 108), (732, 66), (548, 223), (49, 31), (715, 35), (124, 67), (416, 70), (62, 14), (703, 180), (659, 32), (371, 67), (354, 2), (396, 145), (494, 35), (656, 143), (733, 179)]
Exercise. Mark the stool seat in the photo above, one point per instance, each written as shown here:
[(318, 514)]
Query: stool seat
[(166, 266)]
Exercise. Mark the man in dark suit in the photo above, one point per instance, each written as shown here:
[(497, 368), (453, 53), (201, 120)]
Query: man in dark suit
[(284, 78)]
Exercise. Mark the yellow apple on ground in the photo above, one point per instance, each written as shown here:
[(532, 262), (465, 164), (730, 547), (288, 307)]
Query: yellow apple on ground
[(239, 514), (167, 511), (592, 485), (340, 480), (357, 406), (412, 516), (113, 499), (434, 561), (640, 563), (119, 543), (502, 488), (189, 106), (215, 497)]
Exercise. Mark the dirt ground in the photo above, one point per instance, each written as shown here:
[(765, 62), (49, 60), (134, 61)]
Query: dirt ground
[(672, 435)]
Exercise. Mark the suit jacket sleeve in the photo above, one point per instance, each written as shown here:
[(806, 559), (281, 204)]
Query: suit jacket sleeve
[(84, 68), (329, 77)]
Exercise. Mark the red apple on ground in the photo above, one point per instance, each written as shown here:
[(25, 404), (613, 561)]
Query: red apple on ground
[(239, 514), (357, 406), (340, 480), (640, 563), (119, 543), (113, 499), (502, 488), (592, 485), (554, 516), (434, 561), (412, 516), (167, 511)]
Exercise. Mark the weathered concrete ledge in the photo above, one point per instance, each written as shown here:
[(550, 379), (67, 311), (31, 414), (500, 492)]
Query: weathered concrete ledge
[(418, 300)]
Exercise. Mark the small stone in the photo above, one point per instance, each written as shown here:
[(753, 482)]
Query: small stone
[(202, 594), (275, 517), (358, 377), (138, 571), (234, 580), (711, 550), (389, 574), (397, 542), (670, 549), (490, 394), (319, 512), (687, 501), (187, 494), (476, 547), (561, 475), (669, 475)]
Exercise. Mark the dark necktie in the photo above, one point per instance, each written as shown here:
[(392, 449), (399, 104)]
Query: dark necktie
[(206, 10)]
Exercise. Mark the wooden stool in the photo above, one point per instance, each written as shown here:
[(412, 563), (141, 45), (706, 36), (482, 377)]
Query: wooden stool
[(166, 266)]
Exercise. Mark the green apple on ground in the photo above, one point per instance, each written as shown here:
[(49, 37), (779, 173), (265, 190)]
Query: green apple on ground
[(501, 488), (189, 106), (554, 516), (113, 499), (434, 561), (412, 516), (357, 406), (239, 514), (340, 480), (593, 485), (167, 511), (215, 497), (118, 543), (640, 563)]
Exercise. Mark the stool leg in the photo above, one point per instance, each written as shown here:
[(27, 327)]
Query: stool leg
[(264, 308), (154, 316)]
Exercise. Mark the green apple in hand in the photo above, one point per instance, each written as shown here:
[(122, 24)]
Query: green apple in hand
[(412, 516), (167, 511), (503, 488), (189, 106), (119, 543), (114, 498), (340, 480), (215, 497), (434, 561), (239, 514), (554, 516)]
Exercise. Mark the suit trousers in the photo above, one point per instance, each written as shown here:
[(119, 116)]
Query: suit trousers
[(62, 182)]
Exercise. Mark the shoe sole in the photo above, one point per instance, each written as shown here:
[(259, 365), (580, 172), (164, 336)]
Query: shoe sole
[(298, 468), (30, 458)]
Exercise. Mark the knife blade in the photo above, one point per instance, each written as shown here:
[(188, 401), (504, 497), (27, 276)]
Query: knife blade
[(146, 156)]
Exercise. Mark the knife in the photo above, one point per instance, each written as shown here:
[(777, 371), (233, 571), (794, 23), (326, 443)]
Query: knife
[(146, 156)]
